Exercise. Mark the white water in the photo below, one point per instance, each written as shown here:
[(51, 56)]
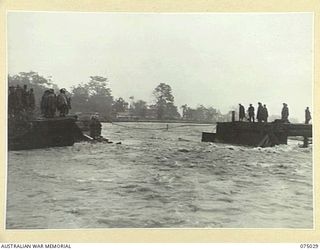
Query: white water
[(159, 178)]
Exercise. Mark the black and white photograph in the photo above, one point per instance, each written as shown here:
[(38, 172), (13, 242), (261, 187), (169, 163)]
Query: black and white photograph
[(159, 120)]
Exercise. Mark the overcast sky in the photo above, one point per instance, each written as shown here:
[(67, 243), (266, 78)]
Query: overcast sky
[(212, 59)]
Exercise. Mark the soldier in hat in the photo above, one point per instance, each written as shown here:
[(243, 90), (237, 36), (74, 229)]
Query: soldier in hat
[(25, 97), (62, 103), (265, 113), (260, 112), (95, 126), (307, 115), (44, 102), (32, 101), (251, 113), (18, 96), (52, 104), (285, 113), (242, 114)]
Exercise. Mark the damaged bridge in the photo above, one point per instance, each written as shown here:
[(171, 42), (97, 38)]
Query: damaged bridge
[(258, 134)]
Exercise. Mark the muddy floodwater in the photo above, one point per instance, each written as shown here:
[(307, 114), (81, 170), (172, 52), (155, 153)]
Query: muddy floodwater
[(159, 179)]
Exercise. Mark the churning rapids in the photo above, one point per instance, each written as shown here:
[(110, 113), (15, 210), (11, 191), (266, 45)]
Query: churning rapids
[(160, 179)]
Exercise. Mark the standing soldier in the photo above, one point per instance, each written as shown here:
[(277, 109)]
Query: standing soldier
[(251, 113), (11, 101), (32, 101), (25, 97), (44, 102), (62, 103), (69, 103), (285, 113), (265, 113), (260, 112), (52, 104), (95, 126), (18, 94), (307, 115), (242, 114)]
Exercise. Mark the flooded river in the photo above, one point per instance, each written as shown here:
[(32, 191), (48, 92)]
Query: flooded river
[(159, 179)]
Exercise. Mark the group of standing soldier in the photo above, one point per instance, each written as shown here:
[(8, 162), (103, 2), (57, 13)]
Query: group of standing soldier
[(262, 113), (20, 100), (50, 103)]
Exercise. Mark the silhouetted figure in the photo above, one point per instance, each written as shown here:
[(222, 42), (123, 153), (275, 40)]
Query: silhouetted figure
[(242, 113), (285, 113), (25, 97), (95, 126), (265, 113), (62, 103), (251, 113), (51, 104), (18, 94), (69, 103), (260, 112), (44, 102), (32, 101), (307, 115), (12, 101)]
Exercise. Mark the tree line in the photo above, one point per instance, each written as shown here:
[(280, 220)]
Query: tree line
[(96, 96)]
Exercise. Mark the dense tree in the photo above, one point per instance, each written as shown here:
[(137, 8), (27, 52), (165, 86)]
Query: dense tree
[(202, 114), (172, 111), (165, 102), (31, 79), (140, 108), (97, 86), (94, 96), (119, 105), (212, 114), (80, 98), (163, 92)]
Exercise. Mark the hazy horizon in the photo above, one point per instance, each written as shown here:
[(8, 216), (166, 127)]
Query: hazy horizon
[(213, 59)]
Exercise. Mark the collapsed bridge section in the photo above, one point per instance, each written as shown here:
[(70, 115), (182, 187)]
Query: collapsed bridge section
[(257, 134)]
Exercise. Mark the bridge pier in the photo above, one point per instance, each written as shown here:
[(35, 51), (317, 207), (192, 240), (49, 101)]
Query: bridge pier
[(305, 142)]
